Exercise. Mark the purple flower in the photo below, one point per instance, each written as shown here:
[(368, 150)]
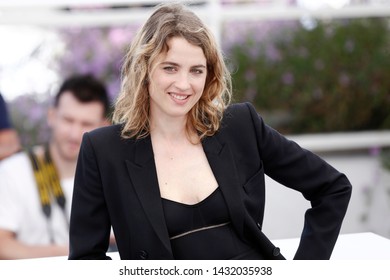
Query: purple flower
[(375, 151), (273, 53), (98, 51), (288, 78)]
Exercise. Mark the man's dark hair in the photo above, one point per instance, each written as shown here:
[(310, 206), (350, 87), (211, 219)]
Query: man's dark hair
[(85, 88)]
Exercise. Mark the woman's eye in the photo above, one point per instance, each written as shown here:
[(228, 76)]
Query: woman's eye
[(197, 71), (169, 69)]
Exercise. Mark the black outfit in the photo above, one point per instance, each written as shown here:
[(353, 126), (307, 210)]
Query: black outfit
[(203, 231), (116, 184)]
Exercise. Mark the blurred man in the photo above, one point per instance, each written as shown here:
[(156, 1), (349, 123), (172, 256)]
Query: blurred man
[(36, 186)]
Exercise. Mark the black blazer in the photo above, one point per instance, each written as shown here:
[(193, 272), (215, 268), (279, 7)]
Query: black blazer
[(116, 184)]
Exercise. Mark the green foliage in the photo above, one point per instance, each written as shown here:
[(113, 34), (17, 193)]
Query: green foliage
[(334, 77)]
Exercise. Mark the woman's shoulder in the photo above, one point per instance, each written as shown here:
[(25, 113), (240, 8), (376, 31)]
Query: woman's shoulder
[(239, 112), (240, 108), (238, 124), (105, 134), (106, 130)]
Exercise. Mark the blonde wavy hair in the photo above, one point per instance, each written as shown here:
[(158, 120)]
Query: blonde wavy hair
[(132, 105)]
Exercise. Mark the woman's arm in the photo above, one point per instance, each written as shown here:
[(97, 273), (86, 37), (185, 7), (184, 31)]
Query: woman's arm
[(89, 223), (327, 189)]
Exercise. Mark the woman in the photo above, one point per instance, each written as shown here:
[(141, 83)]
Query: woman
[(181, 174)]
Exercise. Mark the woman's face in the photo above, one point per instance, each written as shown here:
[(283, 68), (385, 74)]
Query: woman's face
[(177, 79)]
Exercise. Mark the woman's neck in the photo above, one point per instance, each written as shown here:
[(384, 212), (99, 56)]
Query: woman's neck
[(168, 128), (173, 131)]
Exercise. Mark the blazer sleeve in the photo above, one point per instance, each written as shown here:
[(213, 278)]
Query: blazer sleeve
[(89, 223), (327, 189)]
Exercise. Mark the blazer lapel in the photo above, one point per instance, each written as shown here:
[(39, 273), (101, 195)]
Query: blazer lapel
[(143, 175), (222, 164)]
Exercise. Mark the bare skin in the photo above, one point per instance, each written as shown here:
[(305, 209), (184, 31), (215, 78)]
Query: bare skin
[(176, 85)]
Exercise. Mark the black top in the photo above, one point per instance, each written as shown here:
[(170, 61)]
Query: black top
[(203, 230)]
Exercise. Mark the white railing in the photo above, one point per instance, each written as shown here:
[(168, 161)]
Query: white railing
[(343, 141)]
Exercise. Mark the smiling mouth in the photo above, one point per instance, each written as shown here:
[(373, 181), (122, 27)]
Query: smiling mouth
[(179, 96)]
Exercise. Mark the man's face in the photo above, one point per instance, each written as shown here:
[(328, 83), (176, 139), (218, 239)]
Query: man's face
[(68, 122)]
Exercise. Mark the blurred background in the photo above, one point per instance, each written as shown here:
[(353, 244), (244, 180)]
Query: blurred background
[(318, 71)]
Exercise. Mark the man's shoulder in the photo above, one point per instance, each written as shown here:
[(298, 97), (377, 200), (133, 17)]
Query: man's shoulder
[(15, 161), (16, 170)]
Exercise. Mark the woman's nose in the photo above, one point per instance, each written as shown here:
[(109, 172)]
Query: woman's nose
[(183, 82)]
